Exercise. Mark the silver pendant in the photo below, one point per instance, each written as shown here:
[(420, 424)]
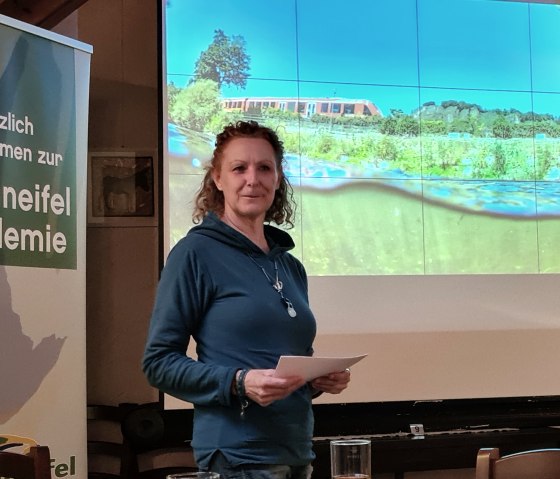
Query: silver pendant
[(291, 311)]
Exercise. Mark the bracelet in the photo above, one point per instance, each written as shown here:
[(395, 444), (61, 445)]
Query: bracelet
[(240, 386), (240, 382)]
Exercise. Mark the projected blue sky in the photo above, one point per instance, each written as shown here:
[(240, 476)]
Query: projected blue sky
[(471, 50)]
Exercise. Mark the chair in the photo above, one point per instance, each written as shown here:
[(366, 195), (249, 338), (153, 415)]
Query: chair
[(535, 464), (106, 451), (156, 452), (33, 463)]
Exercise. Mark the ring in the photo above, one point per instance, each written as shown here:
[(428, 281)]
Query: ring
[(347, 370)]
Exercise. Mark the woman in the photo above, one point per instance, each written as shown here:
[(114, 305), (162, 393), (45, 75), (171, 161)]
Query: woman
[(232, 286)]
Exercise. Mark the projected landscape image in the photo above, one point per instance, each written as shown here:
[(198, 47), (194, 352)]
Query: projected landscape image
[(421, 136)]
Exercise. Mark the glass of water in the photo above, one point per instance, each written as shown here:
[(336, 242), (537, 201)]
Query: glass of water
[(194, 475), (351, 459)]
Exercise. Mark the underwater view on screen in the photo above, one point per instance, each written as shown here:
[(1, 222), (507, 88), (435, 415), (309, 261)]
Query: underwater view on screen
[(421, 136)]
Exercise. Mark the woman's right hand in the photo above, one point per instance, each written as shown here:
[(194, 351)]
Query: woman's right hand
[(263, 387)]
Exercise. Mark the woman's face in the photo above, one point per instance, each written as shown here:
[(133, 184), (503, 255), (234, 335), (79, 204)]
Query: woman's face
[(248, 177)]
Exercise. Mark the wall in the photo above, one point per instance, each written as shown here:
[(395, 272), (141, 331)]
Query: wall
[(122, 265)]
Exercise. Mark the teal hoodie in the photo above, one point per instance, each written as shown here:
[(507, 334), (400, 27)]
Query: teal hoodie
[(213, 289)]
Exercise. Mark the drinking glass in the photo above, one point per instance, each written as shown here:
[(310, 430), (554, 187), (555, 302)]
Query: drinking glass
[(194, 475), (351, 459)]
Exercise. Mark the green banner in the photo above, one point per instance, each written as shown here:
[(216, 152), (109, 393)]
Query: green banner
[(37, 152)]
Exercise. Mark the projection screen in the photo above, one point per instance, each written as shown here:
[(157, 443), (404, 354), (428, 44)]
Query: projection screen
[(422, 142)]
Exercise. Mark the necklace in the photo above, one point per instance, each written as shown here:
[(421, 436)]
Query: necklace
[(278, 286)]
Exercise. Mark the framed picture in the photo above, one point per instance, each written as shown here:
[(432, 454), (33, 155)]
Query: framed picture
[(122, 189)]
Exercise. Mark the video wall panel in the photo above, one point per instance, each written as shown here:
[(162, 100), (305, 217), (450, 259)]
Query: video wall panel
[(423, 126), (422, 141)]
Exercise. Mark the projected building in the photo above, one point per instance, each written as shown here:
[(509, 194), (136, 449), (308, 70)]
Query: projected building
[(306, 107)]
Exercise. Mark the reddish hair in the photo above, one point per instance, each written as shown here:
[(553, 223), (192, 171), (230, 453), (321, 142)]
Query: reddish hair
[(209, 198)]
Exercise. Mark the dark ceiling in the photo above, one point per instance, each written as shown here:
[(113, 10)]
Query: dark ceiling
[(42, 13)]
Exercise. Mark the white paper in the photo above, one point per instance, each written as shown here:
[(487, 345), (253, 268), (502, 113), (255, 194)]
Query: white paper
[(311, 367)]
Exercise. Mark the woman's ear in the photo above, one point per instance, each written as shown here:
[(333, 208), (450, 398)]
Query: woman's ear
[(216, 178)]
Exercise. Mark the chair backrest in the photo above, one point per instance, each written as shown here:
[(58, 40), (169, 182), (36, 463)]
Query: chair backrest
[(534, 464), (33, 464), (156, 452), (106, 451)]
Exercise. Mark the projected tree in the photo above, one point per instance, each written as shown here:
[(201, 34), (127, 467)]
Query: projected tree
[(225, 61), (196, 105)]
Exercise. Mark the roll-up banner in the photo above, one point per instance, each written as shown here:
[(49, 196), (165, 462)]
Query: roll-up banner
[(44, 92)]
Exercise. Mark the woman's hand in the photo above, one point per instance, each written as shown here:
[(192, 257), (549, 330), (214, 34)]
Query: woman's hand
[(333, 383), (263, 387)]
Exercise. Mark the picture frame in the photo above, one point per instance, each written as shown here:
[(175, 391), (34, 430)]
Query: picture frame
[(122, 188)]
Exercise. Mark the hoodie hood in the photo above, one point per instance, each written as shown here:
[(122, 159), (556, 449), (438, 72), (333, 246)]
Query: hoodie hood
[(212, 227)]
